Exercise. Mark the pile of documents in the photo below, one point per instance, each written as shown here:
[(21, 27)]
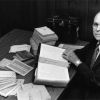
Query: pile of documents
[(8, 83), (52, 69), (23, 56), (33, 92), (42, 35), (22, 52), (15, 65)]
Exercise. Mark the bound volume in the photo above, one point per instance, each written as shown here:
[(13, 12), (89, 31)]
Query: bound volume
[(52, 69)]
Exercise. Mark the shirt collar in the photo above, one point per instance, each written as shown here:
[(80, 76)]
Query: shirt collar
[(98, 45)]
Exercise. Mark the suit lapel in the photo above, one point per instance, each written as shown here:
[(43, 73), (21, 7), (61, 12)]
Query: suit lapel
[(97, 62), (89, 51), (90, 55)]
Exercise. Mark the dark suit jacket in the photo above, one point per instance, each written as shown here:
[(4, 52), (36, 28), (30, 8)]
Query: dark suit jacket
[(85, 85)]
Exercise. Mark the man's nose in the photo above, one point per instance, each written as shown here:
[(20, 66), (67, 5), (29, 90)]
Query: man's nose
[(98, 28)]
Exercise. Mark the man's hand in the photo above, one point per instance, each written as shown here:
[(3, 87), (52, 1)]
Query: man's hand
[(72, 57)]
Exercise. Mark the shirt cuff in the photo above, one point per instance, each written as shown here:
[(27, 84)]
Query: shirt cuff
[(77, 63)]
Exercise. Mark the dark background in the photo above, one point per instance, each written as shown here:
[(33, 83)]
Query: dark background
[(28, 14)]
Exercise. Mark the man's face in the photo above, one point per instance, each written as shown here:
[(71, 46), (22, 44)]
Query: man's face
[(96, 27)]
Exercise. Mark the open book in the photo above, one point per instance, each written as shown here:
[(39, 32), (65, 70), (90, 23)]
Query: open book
[(52, 69)]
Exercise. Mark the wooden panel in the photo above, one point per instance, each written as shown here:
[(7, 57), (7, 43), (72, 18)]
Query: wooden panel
[(17, 14), (27, 14)]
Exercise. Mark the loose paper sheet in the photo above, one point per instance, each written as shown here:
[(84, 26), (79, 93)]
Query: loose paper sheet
[(4, 62), (70, 47), (16, 48), (20, 67), (7, 74), (33, 92), (11, 90)]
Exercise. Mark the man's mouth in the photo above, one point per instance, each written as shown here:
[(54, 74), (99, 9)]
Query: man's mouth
[(97, 34)]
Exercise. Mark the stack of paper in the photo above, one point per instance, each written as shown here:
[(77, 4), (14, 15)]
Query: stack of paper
[(8, 82), (23, 55), (12, 90), (33, 92), (42, 35), (52, 69), (16, 66)]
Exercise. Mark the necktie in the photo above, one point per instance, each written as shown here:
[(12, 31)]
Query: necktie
[(95, 55)]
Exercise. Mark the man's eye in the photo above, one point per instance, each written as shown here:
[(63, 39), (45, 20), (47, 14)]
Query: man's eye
[(95, 24)]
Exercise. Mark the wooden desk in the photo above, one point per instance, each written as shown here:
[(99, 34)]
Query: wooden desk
[(17, 37)]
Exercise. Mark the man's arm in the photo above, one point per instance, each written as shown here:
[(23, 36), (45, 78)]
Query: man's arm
[(81, 67)]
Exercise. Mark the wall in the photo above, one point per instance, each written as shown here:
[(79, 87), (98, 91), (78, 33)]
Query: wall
[(17, 14), (82, 9), (27, 14)]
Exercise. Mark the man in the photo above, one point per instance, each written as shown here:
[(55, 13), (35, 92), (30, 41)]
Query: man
[(85, 85)]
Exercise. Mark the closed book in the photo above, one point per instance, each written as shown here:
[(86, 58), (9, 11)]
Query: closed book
[(38, 41), (44, 34)]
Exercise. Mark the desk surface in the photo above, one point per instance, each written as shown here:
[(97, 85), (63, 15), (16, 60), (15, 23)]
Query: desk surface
[(21, 37)]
